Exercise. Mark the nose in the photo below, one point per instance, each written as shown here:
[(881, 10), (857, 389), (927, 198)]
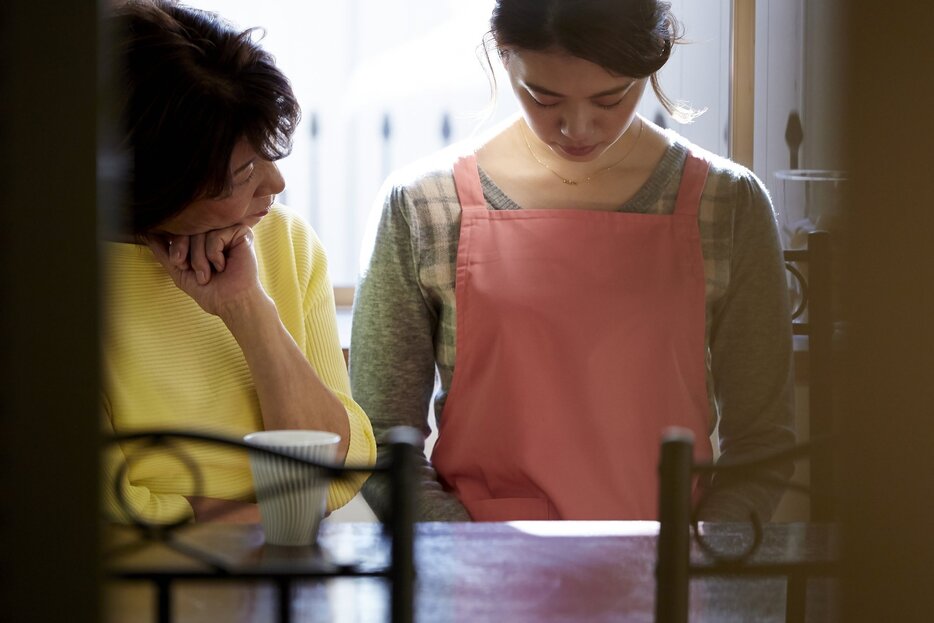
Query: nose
[(272, 181), (577, 123)]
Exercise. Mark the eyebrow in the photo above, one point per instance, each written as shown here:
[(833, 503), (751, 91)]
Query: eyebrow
[(544, 91)]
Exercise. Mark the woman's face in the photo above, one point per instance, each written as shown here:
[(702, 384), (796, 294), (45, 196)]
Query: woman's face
[(577, 108), (255, 183)]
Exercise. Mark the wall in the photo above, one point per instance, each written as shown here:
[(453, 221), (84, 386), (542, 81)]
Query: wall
[(48, 315), (888, 423)]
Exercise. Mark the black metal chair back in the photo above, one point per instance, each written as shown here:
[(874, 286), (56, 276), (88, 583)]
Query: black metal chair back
[(813, 318)]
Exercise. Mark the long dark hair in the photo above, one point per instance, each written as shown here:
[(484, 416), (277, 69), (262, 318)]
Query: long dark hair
[(192, 87), (632, 38)]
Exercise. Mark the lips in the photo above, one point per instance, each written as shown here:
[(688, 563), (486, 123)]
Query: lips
[(265, 210), (578, 152)]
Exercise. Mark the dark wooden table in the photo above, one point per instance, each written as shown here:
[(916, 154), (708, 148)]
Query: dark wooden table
[(513, 572)]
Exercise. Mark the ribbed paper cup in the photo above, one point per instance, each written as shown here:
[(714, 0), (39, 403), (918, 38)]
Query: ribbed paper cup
[(291, 496)]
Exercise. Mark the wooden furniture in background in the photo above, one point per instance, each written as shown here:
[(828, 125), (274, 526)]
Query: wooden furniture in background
[(743, 85)]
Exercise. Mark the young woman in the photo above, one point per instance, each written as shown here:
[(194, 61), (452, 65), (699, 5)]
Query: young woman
[(219, 314), (580, 281)]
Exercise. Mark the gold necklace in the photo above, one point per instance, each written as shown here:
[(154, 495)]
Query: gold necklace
[(571, 182)]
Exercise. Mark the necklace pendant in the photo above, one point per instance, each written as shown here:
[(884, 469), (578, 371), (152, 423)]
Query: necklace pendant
[(569, 182)]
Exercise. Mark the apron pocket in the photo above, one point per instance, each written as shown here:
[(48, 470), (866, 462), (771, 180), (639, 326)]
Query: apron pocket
[(509, 509)]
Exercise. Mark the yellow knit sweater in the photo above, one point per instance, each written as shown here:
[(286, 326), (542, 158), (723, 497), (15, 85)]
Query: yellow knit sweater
[(167, 364)]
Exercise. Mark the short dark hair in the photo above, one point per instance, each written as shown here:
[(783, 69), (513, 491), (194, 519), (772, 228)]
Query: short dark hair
[(632, 38), (192, 87)]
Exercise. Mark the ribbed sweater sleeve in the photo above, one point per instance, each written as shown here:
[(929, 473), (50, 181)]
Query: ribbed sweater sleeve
[(142, 501), (323, 349)]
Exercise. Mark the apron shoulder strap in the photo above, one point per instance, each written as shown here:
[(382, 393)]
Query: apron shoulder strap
[(693, 180), (467, 183)]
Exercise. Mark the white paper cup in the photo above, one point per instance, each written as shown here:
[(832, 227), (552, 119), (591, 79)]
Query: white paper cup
[(291, 496)]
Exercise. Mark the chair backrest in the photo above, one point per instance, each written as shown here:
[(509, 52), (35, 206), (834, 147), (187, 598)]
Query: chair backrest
[(813, 318)]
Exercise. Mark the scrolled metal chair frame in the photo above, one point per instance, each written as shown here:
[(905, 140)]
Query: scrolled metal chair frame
[(679, 518), (679, 523), (399, 466)]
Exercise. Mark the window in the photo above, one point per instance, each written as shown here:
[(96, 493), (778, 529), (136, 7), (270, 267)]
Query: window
[(385, 82)]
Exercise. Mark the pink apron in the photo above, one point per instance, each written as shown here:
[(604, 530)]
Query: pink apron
[(580, 338)]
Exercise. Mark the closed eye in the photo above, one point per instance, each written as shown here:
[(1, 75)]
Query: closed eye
[(532, 96), (609, 106), (248, 177), (544, 105), (622, 96)]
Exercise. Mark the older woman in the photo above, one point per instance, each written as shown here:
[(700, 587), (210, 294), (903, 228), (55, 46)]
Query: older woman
[(219, 314)]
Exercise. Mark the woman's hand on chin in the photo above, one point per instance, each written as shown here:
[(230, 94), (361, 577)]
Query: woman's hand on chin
[(217, 268)]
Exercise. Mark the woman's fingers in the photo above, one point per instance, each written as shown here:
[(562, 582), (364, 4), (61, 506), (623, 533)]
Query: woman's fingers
[(198, 258), (221, 243), (200, 255), (216, 244), (241, 235), (178, 251), (214, 248), (161, 248), (220, 266)]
